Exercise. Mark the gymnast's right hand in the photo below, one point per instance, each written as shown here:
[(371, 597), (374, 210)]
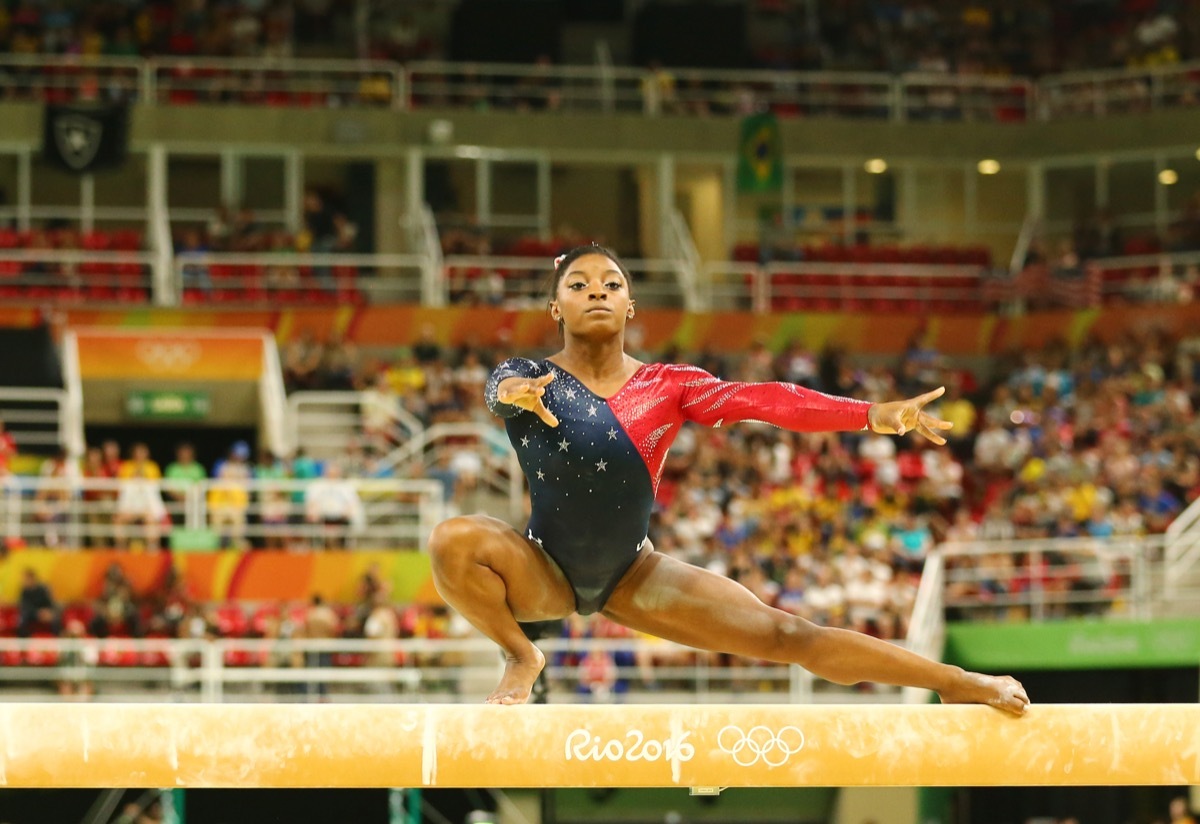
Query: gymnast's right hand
[(527, 393)]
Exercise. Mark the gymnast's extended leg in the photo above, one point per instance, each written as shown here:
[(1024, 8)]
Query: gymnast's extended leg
[(495, 577), (680, 602)]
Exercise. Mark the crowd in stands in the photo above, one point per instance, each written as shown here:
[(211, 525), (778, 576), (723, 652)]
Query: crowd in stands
[(132, 29), (982, 37), (325, 230), (1098, 442)]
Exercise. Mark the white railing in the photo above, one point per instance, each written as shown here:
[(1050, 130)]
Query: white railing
[(294, 277), (1053, 578), (1159, 278), (424, 241), (39, 419), (491, 460), (514, 87), (72, 420), (525, 281), (681, 247), (1118, 91), (76, 275), (927, 624), (76, 512), (737, 285), (273, 400), (166, 291), (58, 78), (595, 88), (1181, 551), (324, 423), (442, 671), (289, 82)]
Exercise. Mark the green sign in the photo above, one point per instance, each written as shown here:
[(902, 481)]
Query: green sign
[(1072, 645), (167, 405)]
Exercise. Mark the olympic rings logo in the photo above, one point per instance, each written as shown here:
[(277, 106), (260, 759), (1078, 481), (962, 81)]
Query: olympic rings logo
[(772, 748), (168, 356)]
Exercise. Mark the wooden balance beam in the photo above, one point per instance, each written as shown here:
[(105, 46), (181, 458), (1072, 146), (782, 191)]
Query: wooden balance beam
[(697, 746)]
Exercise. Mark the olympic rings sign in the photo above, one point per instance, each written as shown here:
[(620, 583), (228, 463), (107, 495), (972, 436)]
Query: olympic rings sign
[(760, 743)]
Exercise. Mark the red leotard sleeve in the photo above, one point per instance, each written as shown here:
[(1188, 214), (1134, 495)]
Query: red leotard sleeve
[(710, 401)]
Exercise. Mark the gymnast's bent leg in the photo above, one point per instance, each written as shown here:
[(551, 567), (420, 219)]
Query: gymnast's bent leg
[(689, 605), (495, 577)]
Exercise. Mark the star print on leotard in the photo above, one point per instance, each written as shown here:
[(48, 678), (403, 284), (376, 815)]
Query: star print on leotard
[(610, 453)]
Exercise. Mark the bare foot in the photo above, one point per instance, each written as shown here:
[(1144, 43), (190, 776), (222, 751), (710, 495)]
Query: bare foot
[(519, 675), (1000, 691)]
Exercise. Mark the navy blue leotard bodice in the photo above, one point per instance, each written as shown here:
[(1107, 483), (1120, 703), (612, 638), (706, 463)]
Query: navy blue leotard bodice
[(592, 479)]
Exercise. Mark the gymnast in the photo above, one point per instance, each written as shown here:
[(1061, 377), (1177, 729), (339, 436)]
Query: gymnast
[(591, 426)]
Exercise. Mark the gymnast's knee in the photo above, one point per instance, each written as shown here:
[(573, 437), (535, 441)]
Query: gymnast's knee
[(458, 540), (794, 639)]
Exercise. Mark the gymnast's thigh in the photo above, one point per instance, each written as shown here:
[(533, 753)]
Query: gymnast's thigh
[(535, 587)]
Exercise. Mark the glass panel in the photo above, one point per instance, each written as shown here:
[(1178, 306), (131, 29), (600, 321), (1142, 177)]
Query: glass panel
[(263, 181)]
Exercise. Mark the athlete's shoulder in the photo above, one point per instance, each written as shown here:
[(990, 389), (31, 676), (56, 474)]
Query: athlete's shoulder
[(681, 373)]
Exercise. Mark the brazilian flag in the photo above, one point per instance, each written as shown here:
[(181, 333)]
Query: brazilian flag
[(760, 158)]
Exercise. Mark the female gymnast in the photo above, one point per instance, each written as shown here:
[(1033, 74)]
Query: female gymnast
[(592, 426)]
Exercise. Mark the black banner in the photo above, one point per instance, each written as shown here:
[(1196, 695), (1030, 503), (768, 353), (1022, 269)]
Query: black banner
[(84, 139)]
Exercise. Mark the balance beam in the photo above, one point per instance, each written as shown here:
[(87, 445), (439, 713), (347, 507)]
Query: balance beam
[(709, 746)]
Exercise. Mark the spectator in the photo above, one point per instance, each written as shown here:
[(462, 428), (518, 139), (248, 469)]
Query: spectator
[(140, 498), (98, 503), (52, 503), (228, 504), (320, 624), (38, 613), (382, 626), (1179, 812), (333, 505), (8, 446), (76, 663), (380, 409), (182, 473), (274, 502)]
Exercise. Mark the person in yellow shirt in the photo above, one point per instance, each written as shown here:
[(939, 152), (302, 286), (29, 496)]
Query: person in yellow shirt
[(406, 375), (228, 500), (139, 498), (960, 412)]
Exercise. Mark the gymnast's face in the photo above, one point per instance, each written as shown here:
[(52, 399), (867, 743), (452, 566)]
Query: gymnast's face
[(592, 297)]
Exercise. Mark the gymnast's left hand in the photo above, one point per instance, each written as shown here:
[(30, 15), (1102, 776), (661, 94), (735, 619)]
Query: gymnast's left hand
[(1003, 692), (899, 417)]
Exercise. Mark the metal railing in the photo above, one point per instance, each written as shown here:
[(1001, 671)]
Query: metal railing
[(324, 423), (76, 275), (76, 79), (883, 286), (513, 87), (595, 88), (1054, 578), (482, 452), (523, 281), (441, 671), (277, 82), (39, 420), (1160, 278), (1118, 91), (65, 511), (294, 277), (927, 624), (1181, 553)]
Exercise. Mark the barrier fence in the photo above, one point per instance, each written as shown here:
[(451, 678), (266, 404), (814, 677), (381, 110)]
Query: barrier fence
[(330, 512), (594, 88)]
